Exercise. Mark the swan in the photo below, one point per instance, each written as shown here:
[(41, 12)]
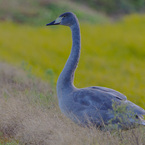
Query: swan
[(96, 106)]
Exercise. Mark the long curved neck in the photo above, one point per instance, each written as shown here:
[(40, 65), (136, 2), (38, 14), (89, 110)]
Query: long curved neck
[(66, 78)]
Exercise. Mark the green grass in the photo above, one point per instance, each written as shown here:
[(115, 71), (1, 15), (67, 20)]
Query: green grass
[(38, 12), (113, 55)]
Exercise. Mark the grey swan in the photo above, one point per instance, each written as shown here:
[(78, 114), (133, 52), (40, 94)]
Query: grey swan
[(96, 106)]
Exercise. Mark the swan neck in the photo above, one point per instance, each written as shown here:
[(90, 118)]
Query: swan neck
[(66, 78)]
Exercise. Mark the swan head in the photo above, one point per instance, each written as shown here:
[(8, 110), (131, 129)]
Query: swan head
[(66, 19)]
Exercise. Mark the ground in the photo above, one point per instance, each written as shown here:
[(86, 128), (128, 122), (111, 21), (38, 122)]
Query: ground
[(30, 115)]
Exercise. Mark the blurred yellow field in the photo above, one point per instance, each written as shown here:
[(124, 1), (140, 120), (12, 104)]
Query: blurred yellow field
[(112, 55)]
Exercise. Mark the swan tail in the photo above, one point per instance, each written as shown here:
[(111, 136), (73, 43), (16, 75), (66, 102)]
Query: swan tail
[(142, 122)]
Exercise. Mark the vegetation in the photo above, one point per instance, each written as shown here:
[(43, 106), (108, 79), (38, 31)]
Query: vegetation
[(107, 51), (25, 119), (112, 55), (116, 7), (39, 12)]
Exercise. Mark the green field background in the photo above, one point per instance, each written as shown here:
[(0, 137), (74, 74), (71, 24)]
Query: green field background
[(112, 55)]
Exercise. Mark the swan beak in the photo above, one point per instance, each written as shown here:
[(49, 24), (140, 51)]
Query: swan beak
[(56, 22)]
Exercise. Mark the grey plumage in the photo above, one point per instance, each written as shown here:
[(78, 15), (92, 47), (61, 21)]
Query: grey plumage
[(97, 106)]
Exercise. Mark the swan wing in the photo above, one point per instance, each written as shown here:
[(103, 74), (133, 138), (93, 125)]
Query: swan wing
[(99, 105), (99, 99), (103, 98), (110, 91)]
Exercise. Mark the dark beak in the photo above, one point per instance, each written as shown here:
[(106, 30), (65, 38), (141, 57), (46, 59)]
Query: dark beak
[(52, 23)]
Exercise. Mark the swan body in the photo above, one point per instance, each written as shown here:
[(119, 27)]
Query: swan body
[(97, 106)]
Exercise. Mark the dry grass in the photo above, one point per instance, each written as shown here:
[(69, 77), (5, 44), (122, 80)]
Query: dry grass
[(29, 113)]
